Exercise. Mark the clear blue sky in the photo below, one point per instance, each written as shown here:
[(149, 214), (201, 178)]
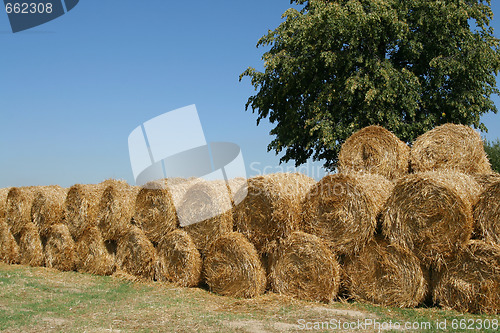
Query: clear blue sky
[(72, 90)]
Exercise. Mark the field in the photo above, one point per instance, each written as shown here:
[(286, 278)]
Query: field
[(42, 299)]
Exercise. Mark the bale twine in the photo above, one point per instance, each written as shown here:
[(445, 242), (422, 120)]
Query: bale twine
[(155, 210), (232, 267), (486, 179), (431, 214), (471, 281), (450, 147), (3, 201), (48, 208), (9, 250), (210, 204), (374, 149), (93, 257), (272, 209), (116, 209), (18, 207), (342, 209), (136, 255), (305, 268), (81, 207), (180, 260), (30, 246), (487, 214), (60, 249), (385, 274)]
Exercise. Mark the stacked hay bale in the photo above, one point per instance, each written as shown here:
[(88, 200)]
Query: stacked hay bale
[(450, 147), (374, 149), (3, 201), (9, 250), (47, 208), (60, 248), (232, 267), (180, 260), (304, 267), (386, 274), (18, 207), (30, 246), (486, 179), (487, 214), (342, 209), (471, 282), (93, 256), (272, 208)]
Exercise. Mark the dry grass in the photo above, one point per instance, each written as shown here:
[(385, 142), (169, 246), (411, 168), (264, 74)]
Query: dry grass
[(273, 208), (342, 209), (232, 267), (375, 150), (431, 214), (471, 282), (305, 268), (450, 147), (387, 275), (180, 260)]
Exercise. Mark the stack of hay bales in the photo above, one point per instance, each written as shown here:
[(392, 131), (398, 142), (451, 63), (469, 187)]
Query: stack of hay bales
[(3, 201), (487, 214), (9, 250), (60, 248)]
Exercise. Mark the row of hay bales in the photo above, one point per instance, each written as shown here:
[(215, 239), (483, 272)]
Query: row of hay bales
[(397, 226)]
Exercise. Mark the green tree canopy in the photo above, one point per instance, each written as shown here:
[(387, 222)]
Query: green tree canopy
[(337, 66), (492, 148)]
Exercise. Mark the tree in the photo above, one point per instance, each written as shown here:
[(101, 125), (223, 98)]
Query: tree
[(492, 148), (336, 66)]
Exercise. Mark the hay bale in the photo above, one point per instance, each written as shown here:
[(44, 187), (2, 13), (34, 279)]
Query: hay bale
[(385, 274), (450, 147), (305, 268), (375, 150), (18, 207), (487, 214), (208, 204), (80, 207), (471, 282), (180, 260), (60, 250), (9, 250), (136, 255), (272, 209), (342, 209), (47, 208), (155, 206), (431, 214), (116, 209), (487, 179), (30, 246), (93, 256), (3, 201), (232, 267)]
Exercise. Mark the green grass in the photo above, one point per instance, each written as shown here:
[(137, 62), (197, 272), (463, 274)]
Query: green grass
[(45, 300)]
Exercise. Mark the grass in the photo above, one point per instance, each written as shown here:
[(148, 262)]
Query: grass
[(41, 299)]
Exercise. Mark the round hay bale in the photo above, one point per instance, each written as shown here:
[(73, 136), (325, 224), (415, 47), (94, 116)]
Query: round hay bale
[(272, 209), (376, 150), (136, 255), (385, 274), (60, 249), (305, 268), (180, 260), (81, 207), (450, 147), (431, 214), (93, 257), (232, 267), (487, 179), (471, 282), (487, 214), (9, 250), (18, 207), (208, 205), (47, 208), (3, 201), (30, 246), (116, 209), (342, 209), (155, 206)]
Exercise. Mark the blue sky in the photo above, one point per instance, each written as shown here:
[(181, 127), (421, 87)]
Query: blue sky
[(72, 90)]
